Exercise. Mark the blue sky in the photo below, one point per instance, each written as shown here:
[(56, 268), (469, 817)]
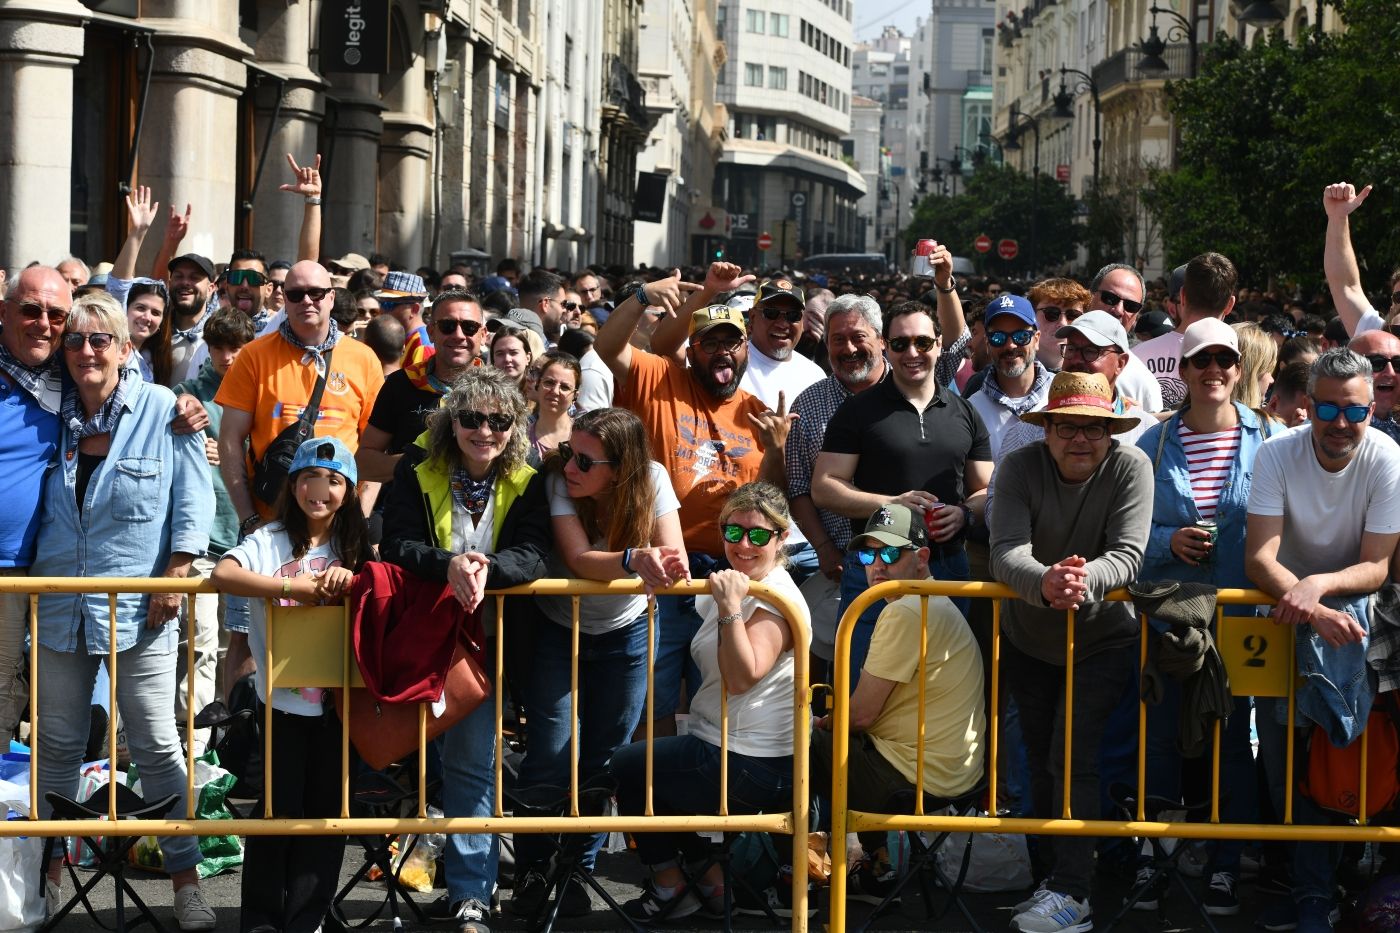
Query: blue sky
[(873, 15)]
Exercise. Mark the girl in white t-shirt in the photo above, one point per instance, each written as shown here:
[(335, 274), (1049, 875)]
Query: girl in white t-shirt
[(308, 556)]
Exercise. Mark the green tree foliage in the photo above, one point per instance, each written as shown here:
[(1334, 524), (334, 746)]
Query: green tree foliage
[(1264, 129), (998, 200)]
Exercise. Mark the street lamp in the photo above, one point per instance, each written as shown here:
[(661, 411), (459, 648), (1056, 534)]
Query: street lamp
[(1153, 47), (1062, 107), (954, 170), (1261, 13)]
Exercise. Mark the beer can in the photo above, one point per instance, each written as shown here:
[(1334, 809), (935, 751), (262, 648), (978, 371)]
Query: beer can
[(1210, 528), (919, 265)]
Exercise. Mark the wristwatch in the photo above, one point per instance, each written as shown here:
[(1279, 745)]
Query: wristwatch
[(952, 285), (636, 287)]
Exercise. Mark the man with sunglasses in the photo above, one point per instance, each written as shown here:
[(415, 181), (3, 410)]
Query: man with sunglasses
[(775, 327), (1322, 527), (1057, 302), (1016, 382), (1206, 290), (1382, 350), (402, 295), (1118, 291), (1339, 262)]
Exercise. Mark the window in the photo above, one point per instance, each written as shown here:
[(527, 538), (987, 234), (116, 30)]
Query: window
[(987, 51), (777, 78), (753, 75), (755, 19), (568, 62), (778, 25)]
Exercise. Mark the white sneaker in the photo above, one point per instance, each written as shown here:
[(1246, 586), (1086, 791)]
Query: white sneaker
[(1030, 901), (192, 912), (1053, 912)]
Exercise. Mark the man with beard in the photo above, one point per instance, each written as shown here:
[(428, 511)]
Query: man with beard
[(1118, 291), (1207, 289), (191, 283), (1016, 382), (1382, 350), (775, 327), (542, 292), (709, 434)]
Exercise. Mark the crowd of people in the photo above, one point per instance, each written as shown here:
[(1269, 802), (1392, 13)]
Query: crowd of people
[(275, 425)]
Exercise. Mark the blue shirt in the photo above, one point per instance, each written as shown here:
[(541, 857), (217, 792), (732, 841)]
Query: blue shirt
[(150, 497), (28, 444)]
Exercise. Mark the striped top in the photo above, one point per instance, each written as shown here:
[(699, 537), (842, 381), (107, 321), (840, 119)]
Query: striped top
[(1208, 459)]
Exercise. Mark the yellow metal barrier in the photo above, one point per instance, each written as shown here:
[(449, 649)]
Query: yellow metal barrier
[(1277, 680), (311, 647)]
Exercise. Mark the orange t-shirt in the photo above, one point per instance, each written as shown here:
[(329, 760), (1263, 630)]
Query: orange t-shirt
[(707, 446), (269, 381)]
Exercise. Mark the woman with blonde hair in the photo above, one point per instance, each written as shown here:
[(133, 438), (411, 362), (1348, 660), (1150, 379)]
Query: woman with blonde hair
[(1258, 356)]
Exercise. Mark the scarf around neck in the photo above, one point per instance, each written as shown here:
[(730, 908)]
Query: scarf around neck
[(311, 354), (105, 419)]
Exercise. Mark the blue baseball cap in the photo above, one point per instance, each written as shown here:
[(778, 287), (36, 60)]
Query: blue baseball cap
[(328, 452), (1014, 305)]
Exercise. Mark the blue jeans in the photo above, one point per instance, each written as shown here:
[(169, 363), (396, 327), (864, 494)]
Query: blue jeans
[(612, 675), (146, 695), (468, 789), (685, 781), (1314, 863), (677, 622), (802, 562), (952, 567)]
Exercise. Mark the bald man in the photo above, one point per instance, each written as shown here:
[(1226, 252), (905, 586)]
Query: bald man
[(1382, 350)]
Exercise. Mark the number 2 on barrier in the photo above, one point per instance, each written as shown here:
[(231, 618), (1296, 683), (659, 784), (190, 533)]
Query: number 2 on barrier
[(1255, 652)]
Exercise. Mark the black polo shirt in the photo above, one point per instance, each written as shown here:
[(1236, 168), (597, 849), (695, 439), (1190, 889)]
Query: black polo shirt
[(901, 448), (401, 409)]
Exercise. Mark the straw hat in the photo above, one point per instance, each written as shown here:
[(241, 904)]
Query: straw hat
[(1082, 394)]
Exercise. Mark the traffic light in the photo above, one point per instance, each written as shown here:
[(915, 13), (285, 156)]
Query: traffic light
[(719, 251)]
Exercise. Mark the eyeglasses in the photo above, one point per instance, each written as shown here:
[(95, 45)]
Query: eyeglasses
[(1328, 411), (73, 341), (552, 385), (297, 295), (448, 326), (245, 277), (32, 312), (589, 291), (471, 420), (1091, 432), (1087, 354), (715, 344), (791, 314), (889, 554), (758, 537), (1378, 362), (1222, 358), (923, 343), (998, 338), (1113, 300), (581, 460)]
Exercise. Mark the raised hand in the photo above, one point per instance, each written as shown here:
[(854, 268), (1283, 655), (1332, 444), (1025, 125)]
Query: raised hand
[(308, 178), (772, 427), (177, 226), (141, 209), (1340, 199), (725, 277)]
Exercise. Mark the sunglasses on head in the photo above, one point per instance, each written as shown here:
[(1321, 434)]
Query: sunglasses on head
[(791, 314), (1222, 358), (923, 343), (448, 326), (998, 338), (32, 312), (888, 553), (580, 460), (1113, 300), (297, 295), (245, 277), (1328, 411), (758, 537), (471, 420), (715, 344), (1378, 362), (73, 341)]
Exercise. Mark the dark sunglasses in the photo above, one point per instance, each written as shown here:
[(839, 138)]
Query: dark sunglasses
[(1328, 411), (715, 344), (297, 295), (758, 537), (245, 277), (1113, 300), (581, 460), (32, 312), (73, 341), (923, 343), (889, 553), (1379, 362), (276, 285), (571, 305), (471, 420), (448, 326), (998, 338), (791, 314), (1051, 313), (1222, 358)]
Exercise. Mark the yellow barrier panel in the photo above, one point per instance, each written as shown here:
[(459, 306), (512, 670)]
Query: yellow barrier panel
[(1262, 653)]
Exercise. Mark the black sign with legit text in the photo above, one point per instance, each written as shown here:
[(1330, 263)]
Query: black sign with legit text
[(355, 36)]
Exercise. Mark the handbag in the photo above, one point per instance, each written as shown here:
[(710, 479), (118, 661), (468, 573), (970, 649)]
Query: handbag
[(1332, 779), (270, 472)]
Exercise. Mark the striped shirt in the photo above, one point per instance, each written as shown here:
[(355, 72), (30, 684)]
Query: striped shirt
[(1208, 460)]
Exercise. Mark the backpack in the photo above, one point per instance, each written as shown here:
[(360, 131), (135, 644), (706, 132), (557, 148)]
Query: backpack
[(1332, 779), (754, 867)]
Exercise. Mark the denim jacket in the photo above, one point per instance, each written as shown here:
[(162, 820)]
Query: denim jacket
[(149, 497), (1174, 506), (1338, 686)]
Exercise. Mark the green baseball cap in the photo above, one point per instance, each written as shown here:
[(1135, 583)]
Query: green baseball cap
[(894, 524)]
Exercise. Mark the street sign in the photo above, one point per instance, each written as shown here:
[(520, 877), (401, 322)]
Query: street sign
[(765, 242), (983, 244), (1062, 173), (1007, 249)]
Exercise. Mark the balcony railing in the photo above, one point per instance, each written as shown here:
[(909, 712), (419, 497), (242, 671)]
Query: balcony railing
[(1122, 67)]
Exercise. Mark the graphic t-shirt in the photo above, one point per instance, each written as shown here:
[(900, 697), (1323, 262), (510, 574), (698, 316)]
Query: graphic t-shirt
[(268, 551), (1162, 356)]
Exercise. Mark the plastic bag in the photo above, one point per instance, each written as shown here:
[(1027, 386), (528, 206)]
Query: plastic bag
[(21, 898), (1000, 862), (212, 785), (94, 778)]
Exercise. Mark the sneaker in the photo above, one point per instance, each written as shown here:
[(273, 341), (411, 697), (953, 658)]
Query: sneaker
[(776, 898), (1314, 915), (530, 894), (470, 916), (1150, 884), (872, 881), (1053, 912), (1035, 895), (191, 910), (1220, 899), (651, 907)]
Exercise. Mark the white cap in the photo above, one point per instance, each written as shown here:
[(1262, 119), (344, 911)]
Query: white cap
[(1209, 332)]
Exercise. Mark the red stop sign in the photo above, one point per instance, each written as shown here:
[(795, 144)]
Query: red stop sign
[(983, 244), (1007, 249), (765, 242)]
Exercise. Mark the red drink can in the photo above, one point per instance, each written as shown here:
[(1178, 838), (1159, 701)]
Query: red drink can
[(920, 265), (929, 513)]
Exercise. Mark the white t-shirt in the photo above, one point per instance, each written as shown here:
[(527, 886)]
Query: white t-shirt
[(268, 551), (760, 721), (595, 388), (1137, 383), (1162, 356), (1324, 514), (598, 614), (765, 377)]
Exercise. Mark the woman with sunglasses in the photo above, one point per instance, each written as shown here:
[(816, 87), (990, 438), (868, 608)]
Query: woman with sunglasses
[(744, 647), (129, 498), (144, 299), (555, 390), (1203, 457), (467, 510), (615, 517)]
